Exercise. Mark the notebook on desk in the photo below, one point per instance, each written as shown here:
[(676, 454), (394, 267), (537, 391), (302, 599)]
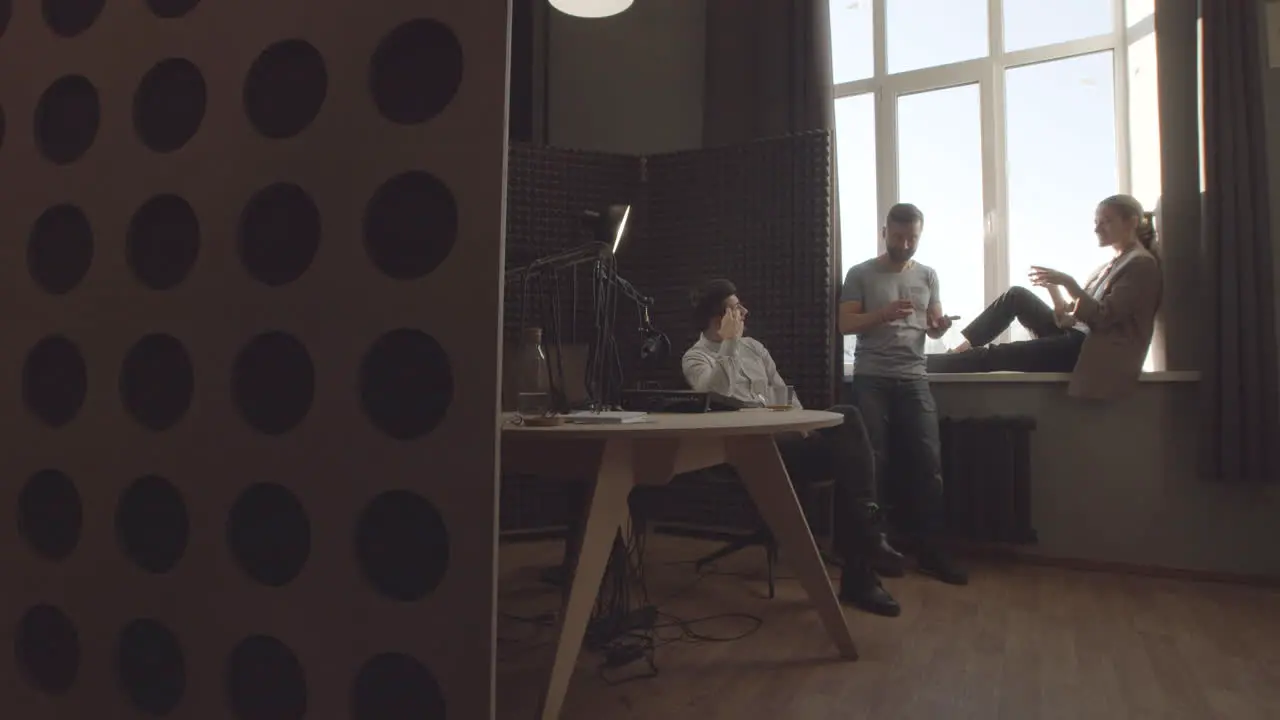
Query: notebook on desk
[(656, 400), (607, 417)]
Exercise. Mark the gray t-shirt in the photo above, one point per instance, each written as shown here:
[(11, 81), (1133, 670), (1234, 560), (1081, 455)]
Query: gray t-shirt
[(895, 349)]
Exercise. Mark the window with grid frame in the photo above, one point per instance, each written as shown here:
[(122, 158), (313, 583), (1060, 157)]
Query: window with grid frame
[(1006, 121)]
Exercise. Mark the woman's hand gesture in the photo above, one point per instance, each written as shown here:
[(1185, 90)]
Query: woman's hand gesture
[(1047, 277)]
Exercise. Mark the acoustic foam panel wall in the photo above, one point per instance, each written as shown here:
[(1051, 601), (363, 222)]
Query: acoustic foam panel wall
[(549, 190), (759, 214), (253, 280)]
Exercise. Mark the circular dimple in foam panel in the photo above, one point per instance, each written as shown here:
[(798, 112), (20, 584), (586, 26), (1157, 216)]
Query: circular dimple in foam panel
[(403, 545), (54, 381), (395, 686), (416, 71), (152, 525), (269, 534), (169, 105), (170, 9), (69, 18), (156, 381), (273, 383), (50, 515), (410, 225), (60, 248), (265, 680), (406, 383), (66, 119), (285, 89), (47, 649), (163, 241), (279, 234), (151, 668)]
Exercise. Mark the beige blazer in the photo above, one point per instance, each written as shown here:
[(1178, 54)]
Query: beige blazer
[(1121, 323)]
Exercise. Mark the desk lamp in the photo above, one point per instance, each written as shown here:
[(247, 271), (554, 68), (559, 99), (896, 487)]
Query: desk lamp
[(609, 229), (611, 226)]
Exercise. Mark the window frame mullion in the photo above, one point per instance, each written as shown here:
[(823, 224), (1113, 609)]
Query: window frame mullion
[(994, 167)]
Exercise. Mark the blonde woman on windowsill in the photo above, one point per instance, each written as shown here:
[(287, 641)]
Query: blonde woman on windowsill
[(1099, 332)]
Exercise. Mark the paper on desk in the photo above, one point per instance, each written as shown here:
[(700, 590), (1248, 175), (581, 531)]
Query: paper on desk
[(607, 417)]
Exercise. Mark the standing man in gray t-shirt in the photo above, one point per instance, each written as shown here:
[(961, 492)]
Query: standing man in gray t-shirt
[(891, 303)]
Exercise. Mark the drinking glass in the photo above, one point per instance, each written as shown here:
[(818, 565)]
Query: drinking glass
[(781, 397), (533, 405), (915, 297)]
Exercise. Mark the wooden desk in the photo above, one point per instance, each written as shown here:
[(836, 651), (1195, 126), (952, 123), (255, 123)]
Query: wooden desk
[(620, 457)]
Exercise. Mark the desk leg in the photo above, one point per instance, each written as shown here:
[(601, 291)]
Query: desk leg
[(606, 512), (760, 466)]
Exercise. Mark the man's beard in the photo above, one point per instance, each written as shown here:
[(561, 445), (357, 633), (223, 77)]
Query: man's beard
[(901, 255)]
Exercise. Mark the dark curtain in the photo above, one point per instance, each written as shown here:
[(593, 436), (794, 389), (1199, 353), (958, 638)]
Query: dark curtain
[(768, 73), (1178, 341), (1241, 369), (768, 69), (527, 95)]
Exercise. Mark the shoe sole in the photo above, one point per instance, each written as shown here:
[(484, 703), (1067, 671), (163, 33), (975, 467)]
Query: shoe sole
[(893, 612), (882, 612), (958, 582)]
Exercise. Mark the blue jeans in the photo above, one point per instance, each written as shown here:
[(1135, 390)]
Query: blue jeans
[(902, 423), (843, 454)]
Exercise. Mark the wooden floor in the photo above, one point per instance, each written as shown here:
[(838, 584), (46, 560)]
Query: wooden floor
[(1020, 642)]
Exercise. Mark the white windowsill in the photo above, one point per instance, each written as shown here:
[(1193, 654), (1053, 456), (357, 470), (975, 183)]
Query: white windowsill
[(1167, 376)]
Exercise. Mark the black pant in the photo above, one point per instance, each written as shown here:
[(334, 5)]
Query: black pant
[(902, 424), (844, 454), (1053, 349)]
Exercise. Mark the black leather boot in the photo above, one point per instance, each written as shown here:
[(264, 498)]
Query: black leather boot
[(884, 559), (860, 588), (940, 564)]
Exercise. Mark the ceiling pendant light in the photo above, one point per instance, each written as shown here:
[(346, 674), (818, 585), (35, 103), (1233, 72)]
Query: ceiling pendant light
[(591, 8)]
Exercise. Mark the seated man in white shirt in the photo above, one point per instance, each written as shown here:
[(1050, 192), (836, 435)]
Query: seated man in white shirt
[(725, 362)]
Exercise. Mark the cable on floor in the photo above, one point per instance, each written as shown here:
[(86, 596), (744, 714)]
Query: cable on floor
[(624, 593)]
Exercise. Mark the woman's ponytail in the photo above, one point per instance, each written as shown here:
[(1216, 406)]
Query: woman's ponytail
[(1147, 233)]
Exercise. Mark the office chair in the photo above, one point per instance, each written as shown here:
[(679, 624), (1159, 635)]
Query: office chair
[(810, 497)]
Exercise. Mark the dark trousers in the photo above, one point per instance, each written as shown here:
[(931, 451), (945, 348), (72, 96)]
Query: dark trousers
[(1053, 349), (843, 454), (902, 425)]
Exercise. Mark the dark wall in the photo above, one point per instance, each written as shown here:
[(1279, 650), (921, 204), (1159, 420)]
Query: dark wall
[(520, 111), (527, 93), (631, 83), (1272, 100)]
